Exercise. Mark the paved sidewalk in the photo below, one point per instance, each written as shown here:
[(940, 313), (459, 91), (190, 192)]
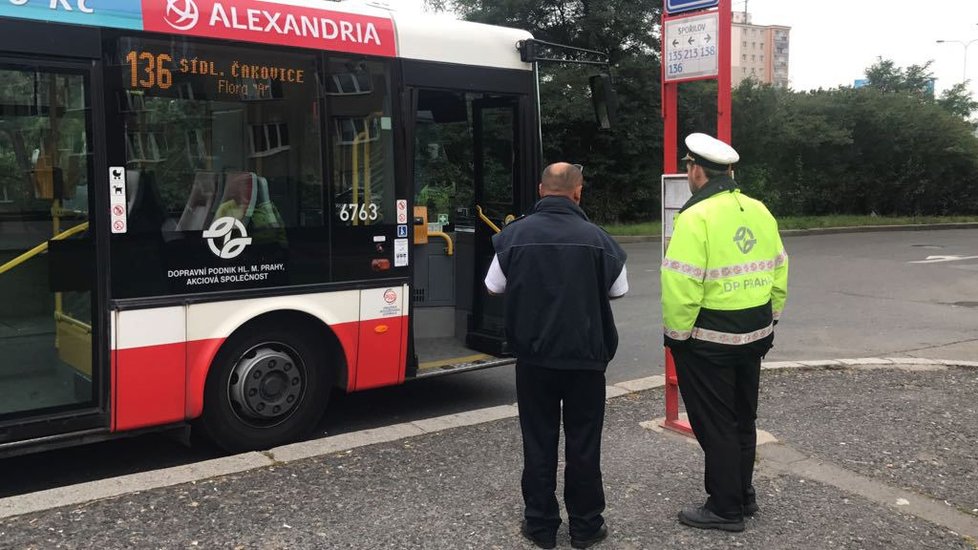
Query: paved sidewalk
[(864, 454)]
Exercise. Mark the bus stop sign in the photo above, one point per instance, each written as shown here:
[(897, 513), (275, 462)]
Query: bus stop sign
[(690, 50), (680, 6)]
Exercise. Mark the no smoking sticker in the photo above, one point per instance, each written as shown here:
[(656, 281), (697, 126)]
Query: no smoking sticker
[(117, 199), (402, 214)]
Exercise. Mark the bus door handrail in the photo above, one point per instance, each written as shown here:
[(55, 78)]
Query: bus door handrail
[(42, 248), (449, 245), (59, 316), (486, 219)]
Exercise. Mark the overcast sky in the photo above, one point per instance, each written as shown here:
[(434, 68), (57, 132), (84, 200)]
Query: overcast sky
[(833, 41)]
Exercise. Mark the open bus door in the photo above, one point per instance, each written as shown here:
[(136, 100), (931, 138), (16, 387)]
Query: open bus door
[(470, 180), (52, 378), (497, 201)]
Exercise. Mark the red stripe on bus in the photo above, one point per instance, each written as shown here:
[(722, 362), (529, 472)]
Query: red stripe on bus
[(349, 336), (404, 350), (148, 386), (381, 361), (161, 384), (272, 23), (200, 356)]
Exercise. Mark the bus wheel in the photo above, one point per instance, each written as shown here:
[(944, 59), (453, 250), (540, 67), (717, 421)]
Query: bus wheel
[(266, 387)]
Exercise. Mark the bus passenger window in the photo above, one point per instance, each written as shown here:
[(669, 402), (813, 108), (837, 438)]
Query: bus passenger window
[(216, 133), (359, 107)]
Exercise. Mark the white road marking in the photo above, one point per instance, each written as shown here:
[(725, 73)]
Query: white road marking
[(942, 259)]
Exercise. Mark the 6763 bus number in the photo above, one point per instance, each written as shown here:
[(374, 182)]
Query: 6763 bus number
[(358, 212)]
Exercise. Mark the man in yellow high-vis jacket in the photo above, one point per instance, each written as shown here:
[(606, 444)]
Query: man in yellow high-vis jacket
[(724, 285)]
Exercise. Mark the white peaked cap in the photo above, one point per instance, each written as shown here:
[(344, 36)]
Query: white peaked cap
[(715, 153)]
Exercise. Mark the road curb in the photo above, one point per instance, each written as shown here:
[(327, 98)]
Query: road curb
[(627, 239), (77, 494), (878, 228), (782, 458), (132, 483)]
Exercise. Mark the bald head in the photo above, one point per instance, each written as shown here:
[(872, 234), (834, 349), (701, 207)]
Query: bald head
[(562, 179)]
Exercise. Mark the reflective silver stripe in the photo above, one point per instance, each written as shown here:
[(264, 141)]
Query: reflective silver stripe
[(683, 268), (677, 334), (712, 274), (760, 266), (731, 338)]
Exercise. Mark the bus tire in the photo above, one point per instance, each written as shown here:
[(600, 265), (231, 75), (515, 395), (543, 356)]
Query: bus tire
[(267, 386)]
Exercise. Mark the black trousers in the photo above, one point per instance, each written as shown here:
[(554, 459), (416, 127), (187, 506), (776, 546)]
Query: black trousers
[(540, 392), (721, 400)]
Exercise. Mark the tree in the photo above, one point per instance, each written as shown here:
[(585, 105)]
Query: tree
[(886, 77), (885, 148), (957, 100)]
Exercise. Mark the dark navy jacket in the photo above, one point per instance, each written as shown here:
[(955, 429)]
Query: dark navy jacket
[(559, 268)]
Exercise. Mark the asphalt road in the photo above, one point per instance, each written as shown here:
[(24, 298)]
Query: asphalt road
[(851, 295)]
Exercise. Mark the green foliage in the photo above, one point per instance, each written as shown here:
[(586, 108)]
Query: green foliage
[(888, 148), (886, 77), (957, 101), (815, 222)]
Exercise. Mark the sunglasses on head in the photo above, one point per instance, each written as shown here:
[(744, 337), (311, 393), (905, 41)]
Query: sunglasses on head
[(580, 168)]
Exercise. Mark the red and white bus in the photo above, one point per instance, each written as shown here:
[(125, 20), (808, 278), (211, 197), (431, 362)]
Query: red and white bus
[(218, 211)]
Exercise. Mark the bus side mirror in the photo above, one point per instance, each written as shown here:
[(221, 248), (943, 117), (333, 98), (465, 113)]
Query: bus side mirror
[(605, 100)]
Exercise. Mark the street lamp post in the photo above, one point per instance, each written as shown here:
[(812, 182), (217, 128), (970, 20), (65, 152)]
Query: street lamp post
[(965, 45)]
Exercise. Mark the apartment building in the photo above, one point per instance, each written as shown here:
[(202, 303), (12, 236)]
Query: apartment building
[(759, 51)]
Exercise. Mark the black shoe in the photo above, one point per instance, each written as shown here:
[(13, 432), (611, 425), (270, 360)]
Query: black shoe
[(598, 536), (751, 508), (541, 542), (704, 518)]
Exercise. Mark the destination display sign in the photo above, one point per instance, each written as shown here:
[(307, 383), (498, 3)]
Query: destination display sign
[(151, 67)]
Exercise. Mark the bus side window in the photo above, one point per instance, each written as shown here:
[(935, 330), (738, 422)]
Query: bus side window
[(196, 214), (359, 106), (237, 142)]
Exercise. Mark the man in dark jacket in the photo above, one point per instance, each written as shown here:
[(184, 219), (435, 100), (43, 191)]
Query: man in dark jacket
[(558, 272)]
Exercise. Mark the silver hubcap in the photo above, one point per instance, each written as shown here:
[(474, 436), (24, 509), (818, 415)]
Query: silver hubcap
[(266, 384)]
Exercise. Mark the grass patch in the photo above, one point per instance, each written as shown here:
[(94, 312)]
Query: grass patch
[(810, 222), (646, 228), (805, 222)]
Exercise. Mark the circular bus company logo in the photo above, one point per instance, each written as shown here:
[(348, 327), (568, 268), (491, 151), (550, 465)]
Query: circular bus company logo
[(222, 229), (182, 15), (745, 239), (390, 296)]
